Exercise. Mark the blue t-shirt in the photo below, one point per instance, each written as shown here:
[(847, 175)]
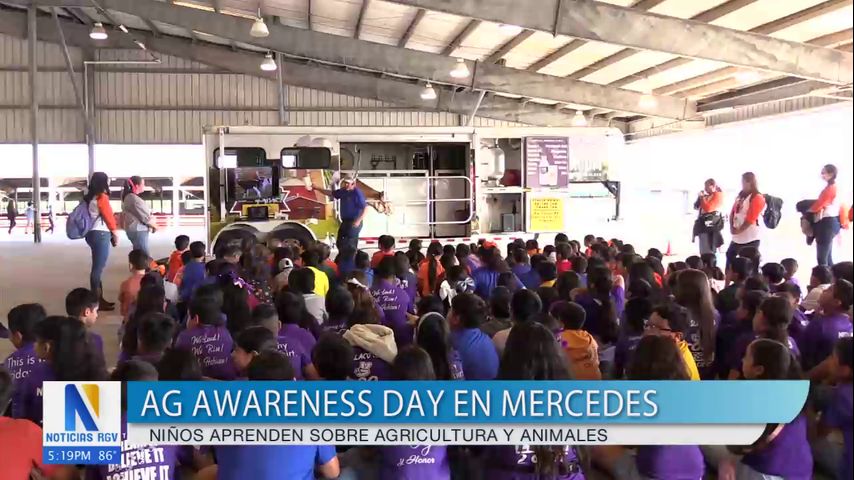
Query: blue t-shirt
[(352, 203), (477, 354), (294, 462), (194, 276)]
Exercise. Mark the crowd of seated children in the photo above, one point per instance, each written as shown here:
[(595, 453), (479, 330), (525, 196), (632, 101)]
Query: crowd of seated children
[(572, 310)]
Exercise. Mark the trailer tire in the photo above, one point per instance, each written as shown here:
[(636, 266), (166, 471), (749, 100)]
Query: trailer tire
[(234, 236), (294, 234)]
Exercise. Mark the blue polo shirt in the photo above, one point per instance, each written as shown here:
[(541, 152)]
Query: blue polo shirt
[(352, 203), (477, 353)]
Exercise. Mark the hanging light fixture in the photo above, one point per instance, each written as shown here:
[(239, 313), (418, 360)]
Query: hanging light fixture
[(259, 28), (428, 93), (461, 70), (509, 29), (98, 32), (268, 65), (579, 120)]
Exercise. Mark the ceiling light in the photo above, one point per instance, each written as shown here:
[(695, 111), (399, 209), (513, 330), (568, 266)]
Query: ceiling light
[(461, 70), (98, 32), (579, 120), (139, 44), (259, 28), (123, 28), (428, 93), (268, 65), (508, 29), (748, 76)]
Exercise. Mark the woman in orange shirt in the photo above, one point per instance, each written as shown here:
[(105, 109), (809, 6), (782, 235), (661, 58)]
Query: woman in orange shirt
[(103, 233), (709, 201), (826, 209), (744, 217), (429, 270)]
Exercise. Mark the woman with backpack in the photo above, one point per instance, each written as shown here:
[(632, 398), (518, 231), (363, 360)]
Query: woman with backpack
[(136, 217), (744, 217), (102, 234), (826, 217)]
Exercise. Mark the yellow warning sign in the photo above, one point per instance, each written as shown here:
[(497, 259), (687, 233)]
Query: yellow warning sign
[(547, 215)]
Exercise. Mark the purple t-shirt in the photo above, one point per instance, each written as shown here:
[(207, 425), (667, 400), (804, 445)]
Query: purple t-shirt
[(820, 337), (295, 333), (509, 462), (27, 402), (414, 462), (695, 344), (367, 366), (839, 415), (456, 366), (593, 307), (395, 303), (151, 462), (673, 462), (296, 354), (788, 455), (212, 347), (409, 284), (623, 351), (19, 364), (740, 349), (798, 325)]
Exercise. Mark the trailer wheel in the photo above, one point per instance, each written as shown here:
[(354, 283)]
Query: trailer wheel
[(292, 235), (234, 236)]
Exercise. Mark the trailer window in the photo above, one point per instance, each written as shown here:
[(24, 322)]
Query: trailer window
[(307, 158)]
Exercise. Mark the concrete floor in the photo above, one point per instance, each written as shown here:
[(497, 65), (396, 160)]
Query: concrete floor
[(45, 273)]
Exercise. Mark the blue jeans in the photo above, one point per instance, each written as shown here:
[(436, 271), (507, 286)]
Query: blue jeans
[(99, 242), (139, 240), (348, 236), (825, 230)]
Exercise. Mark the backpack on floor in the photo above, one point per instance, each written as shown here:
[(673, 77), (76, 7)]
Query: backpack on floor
[(773, 211), (80, 222)]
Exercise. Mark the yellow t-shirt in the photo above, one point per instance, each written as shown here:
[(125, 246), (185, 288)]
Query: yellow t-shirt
[(689, 360), (321, 282)]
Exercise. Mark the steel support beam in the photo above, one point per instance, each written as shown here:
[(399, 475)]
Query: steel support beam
[(360, 21), (461, 37), (514, 42), (604, 22), (407, 34), (32, 45), (578, 43), (832, 40), (764, 29), (375, 57), (400, 94), (781, 89)]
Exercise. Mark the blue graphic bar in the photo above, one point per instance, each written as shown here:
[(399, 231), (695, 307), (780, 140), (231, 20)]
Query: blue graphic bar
[(489, 402), (66, 455)]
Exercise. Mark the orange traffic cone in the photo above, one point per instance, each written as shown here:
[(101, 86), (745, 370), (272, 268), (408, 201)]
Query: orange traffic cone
[(669, 252)]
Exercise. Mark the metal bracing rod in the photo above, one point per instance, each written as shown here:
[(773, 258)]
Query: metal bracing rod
[(69, 65), (476, 107)]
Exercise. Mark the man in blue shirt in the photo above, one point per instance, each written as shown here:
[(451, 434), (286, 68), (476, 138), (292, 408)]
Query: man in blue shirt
[(352, 209), (476, 350)]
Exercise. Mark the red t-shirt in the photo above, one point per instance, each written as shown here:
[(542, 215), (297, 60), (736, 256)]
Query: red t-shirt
[(563, 266), (21, 449), (377, 257)]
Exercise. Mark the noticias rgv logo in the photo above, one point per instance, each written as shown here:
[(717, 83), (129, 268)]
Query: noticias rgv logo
[(76, 407)]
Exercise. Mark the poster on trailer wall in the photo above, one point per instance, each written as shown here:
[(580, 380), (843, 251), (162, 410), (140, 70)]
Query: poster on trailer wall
[(547, 162)]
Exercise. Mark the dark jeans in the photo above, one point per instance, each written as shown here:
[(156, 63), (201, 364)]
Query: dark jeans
[(348, 236), (734, 248), (825, 230), (12, 222), (99, 242)]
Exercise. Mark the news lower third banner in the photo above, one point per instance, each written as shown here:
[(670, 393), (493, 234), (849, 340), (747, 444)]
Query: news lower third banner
[(415, 413)]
